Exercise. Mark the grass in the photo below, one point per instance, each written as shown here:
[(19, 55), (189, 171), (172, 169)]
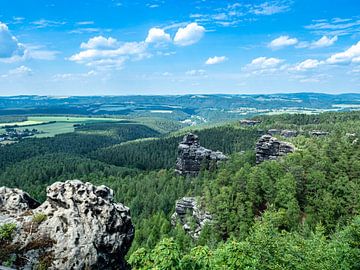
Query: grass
[(49, 126), (22, 124)]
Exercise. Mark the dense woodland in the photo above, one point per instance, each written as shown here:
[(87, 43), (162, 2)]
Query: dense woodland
[(301, 212)]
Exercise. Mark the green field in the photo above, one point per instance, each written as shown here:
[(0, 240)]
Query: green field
[(53, 125)]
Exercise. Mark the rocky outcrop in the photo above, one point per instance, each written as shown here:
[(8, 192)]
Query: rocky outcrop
[(318, 133), (247, 122), (288, 133), (192, 156), (270, 148), (191, 216), (79, 226)]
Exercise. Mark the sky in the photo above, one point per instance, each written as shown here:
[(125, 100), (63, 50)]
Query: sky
[(127, 47)]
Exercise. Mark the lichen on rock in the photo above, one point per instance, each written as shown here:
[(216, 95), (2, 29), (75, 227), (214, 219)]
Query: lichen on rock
[(84, 228)]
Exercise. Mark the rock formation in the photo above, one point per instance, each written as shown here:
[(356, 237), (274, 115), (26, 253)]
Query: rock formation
[(289, 133), (191, 216), (247, 122), (270, 148), (79, 226), (318, 133), (192, 156)]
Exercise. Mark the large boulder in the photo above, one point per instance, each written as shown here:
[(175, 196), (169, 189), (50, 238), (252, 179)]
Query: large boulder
[(191, 216), (192, 156), (79, 226), (270, 148)]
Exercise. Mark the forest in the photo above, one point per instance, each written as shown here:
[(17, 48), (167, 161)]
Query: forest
[(299, 212)]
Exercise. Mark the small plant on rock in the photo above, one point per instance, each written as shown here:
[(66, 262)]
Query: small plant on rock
[(7, 230), (39, 217)]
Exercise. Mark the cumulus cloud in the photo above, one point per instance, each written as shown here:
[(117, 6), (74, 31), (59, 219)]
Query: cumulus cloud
[(262, 65), (282, 41), (104, 52), (324, 42), (216, 60), (157, 35), (21, 71), (351, 55), (9, 45), (99, 42), (307, 65), (264, 62), (189, 35)]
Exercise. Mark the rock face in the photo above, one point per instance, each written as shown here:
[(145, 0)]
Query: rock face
[(192, 156), (78, 227), (318, 133), (247, 122), (270, 148), (191, 216)]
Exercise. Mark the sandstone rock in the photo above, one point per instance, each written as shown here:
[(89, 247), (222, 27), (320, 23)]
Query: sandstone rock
[(192, 156), (270, 148), (79, 226), (289, 133), (274, 131), (191, 216), (318, 133), (247, 122)]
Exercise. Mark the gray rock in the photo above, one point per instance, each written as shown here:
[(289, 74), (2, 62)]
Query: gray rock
[(247, 122), (82, 227), (270, 148), (191, 216), (318, 133), (274, 131), (192, 156), (289, 133)]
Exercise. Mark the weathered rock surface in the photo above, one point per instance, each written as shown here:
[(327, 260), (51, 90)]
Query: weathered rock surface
[(247, 122), (318, 133), (190, 214), (79, 226), (270, 148), (192, 156)]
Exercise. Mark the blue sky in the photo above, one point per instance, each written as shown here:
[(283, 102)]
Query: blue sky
[(123, 47)]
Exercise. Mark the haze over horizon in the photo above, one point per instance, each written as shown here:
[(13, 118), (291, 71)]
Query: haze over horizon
[(160, 47)]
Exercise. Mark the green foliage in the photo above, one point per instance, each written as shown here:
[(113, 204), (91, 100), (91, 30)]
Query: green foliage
[(39, 217), (6, 231)]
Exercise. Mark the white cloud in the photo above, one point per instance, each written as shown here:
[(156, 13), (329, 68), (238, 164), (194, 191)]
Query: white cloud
[(47, 23), (9, 45), (189, 35), (324, 42), (350, 55), (271, 7), (307, 64), (282, 41), (73, 76), (216, 60), (196, 72), (107, 53), (21, 71), (264, 62), (262, 65), (99, 42), (157, 35), (85, 23), (335, 26)]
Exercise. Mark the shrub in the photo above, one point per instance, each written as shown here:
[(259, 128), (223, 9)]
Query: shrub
[(39, 217), (7, 230)]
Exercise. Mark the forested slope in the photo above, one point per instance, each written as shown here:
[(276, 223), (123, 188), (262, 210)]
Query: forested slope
[(300, 212)]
